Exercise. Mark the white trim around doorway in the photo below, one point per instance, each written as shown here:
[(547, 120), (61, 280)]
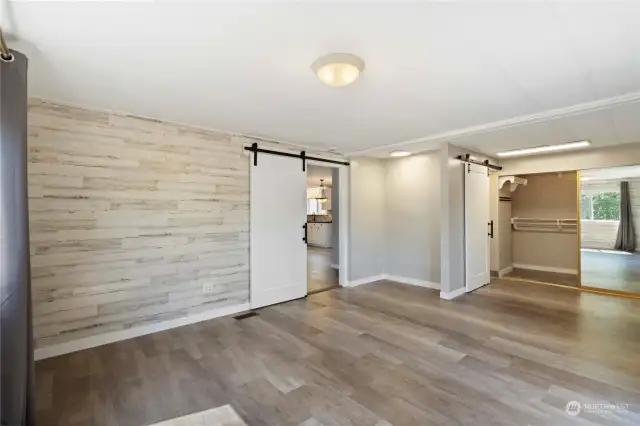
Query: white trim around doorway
[(344, 187)]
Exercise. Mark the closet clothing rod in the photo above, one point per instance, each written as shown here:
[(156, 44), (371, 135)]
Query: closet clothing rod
[(535, 224), (541, 219)]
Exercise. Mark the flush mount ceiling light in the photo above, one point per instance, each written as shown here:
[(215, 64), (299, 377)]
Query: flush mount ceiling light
[(543, 149), (400, 154), (338, 69)]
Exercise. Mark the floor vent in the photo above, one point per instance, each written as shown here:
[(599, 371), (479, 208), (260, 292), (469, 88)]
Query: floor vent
[(245, 316)]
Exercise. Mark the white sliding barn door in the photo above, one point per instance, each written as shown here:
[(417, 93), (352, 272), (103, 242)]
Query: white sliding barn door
[(278, 211), (476, 229)]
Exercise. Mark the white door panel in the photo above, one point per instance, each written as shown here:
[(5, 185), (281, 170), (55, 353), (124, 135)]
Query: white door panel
[(476, 217), (278, 211)]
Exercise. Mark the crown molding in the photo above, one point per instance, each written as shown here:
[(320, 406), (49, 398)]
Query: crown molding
[(552, 114)]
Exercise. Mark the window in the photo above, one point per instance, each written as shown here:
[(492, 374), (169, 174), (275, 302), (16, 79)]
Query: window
[(600, 206), (315, 207)]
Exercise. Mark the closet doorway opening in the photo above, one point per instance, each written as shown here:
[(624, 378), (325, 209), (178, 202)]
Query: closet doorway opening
[(323, 228), (574, 229), (538, 228)]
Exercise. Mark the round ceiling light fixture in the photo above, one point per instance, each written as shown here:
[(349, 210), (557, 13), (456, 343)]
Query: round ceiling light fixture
[(338, 69)]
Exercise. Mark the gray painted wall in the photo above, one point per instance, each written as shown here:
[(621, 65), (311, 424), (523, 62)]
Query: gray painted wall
[(452, 219), (412, 240), (335, 214), (407, 217), (367, 223)]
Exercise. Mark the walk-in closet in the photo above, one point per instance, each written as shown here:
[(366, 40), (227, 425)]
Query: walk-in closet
[(539, 223), (572, 228)]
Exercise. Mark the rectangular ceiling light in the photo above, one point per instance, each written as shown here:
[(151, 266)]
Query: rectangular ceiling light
[(543, 149)]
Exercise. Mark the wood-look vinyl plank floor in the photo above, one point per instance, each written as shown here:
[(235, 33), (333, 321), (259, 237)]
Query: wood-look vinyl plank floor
[(223, 416), (379, 354), (572, 280), (320, 275)]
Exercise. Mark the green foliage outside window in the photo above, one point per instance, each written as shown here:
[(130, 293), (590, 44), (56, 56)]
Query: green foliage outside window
[(600, 206)]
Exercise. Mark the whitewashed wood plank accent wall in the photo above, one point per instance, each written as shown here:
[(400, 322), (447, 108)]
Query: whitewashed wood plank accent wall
[(129, 218), (598, 234)]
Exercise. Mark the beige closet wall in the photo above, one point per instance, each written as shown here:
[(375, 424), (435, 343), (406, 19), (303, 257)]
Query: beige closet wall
[(553, 196), (505, 249)]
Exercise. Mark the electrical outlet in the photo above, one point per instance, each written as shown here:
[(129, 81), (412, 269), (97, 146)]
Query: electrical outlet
[(207, 288)]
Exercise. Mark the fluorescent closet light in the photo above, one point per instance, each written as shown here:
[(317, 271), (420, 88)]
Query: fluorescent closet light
[(542, 149), (400, 154)]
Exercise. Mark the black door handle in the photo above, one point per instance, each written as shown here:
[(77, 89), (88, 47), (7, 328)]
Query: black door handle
[(490, 229), (305, 234)]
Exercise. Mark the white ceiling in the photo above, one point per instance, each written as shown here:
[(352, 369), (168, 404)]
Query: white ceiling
[(611, 173), (484, 75), (315, 173)]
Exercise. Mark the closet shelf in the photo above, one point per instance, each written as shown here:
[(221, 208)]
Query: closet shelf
[(537, 224), (513, 180)]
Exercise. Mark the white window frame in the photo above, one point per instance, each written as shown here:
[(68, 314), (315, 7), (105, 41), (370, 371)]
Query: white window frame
[(319, 210)]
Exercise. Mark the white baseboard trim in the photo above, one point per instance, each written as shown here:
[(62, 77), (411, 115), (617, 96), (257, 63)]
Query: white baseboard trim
[(335, 266), (116, 336), (505, 271), (452, 294), (546, 268), (403, 280), (412, 281), (367, 280)]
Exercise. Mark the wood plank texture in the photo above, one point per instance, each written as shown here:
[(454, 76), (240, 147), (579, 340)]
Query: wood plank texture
[(320, 275), (129, 218), (379, 354), (598, 234)]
